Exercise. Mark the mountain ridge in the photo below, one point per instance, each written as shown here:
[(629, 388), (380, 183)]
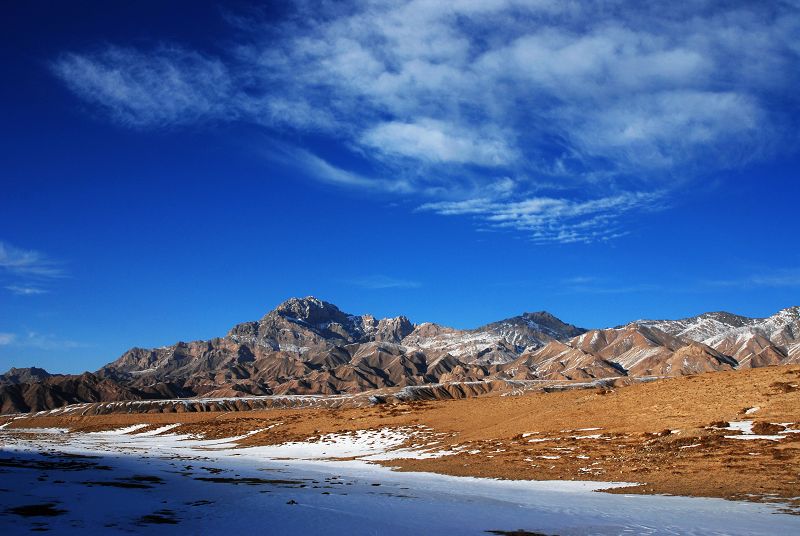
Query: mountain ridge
[(309, 346)]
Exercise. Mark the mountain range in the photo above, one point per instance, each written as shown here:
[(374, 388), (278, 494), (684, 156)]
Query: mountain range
[(309, 346)]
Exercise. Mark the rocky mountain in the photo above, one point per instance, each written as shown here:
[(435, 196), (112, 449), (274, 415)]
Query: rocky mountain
[(752, 342), (308, 346), (495, 343), (23, 375)]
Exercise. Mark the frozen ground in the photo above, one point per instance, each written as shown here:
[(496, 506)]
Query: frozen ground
[(157, 482)]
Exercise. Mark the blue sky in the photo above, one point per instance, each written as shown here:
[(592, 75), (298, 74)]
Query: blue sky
[(170, 170)]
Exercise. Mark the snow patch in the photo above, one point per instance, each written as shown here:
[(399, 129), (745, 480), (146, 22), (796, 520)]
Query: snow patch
[(120, 431), (159, 430)]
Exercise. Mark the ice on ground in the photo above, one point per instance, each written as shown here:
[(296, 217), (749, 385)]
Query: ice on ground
[(349, 497), (750, 411)]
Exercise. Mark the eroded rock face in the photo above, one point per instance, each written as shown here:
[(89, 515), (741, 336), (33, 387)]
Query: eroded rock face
[(309, 346)]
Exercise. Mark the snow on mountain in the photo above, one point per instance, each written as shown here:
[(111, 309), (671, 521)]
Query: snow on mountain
[(750, 341), (699, 328), (495, 343), (710, 328)]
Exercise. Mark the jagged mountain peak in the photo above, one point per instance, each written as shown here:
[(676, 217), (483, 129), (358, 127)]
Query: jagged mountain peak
[(310, 310), (790, 312), (25, 370), (549, 320), (539, 314), (699, 327), (541, 326), (724, 316)]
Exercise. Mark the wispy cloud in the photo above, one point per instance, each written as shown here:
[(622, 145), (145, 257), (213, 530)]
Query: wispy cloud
[(165, 86), (324, 171), (547, 219), (599, 285), (379, 282), (27, 271), (41, 341), (621, 289), (25, 290), (782, 278), (440, 100), (28, 263)]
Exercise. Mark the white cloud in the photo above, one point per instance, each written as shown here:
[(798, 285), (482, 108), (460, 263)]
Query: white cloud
[(435, 141), (669, 129), (442, 100), (547, 219), (7, 338), (25, 290), (27, 263), (162, 87)]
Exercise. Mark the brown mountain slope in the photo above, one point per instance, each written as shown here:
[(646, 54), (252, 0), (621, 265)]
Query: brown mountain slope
[(308, 346)]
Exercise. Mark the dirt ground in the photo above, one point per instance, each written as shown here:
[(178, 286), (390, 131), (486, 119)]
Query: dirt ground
[(668, 435)]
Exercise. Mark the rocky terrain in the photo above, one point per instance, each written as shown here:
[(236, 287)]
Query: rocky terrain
[(310, 347)]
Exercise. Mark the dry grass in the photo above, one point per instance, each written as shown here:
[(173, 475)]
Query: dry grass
[(659, 434)]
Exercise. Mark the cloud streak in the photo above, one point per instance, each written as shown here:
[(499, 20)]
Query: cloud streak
[(20, 290), (41, 341), (27, 263), (162, 87), (547, 219), (785, 278), (607, 100), (28, 270), (382, 282)]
